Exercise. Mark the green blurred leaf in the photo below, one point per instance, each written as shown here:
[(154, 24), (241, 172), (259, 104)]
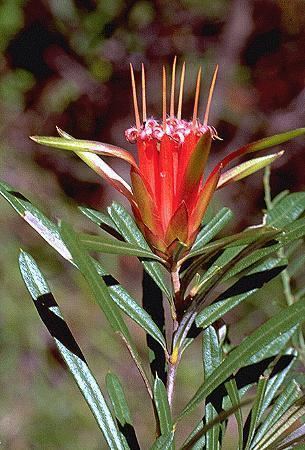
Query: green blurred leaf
[(281, 323), (121, 410), (162, 407), (132, 234), (68, 348)]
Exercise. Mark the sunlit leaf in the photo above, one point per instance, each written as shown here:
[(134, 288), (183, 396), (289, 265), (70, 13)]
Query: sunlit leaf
[(51, 316)]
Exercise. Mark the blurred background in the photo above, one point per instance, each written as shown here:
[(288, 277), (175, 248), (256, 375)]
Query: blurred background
[(66, 63)]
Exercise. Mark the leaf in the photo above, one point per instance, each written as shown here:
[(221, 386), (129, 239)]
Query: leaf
[(69, 349), (282, 428), (233, 393), (233, 296), (212, 228), (99, 289), (162, 407), (235, 240), (289, 395), (281, 323), (47, 229), (287, 210), (96, 283), (50, 232), (277, 377), (127, 304), (102, 220), (211, 356), (163, 442), (114, 247), (247, 168), (132, 234), (121, 410), (80, 145), (96, 163), (255, 411)]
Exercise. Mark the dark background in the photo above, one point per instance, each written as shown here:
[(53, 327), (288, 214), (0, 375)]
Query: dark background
[(66, 63)]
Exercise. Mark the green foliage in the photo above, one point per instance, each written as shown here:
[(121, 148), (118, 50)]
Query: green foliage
[(239, 266)]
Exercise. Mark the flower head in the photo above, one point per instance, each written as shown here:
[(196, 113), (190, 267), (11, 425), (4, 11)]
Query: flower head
[(169, 191)]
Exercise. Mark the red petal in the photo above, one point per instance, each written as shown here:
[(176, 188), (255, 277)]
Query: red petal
[(166, 179), (149, 165), (193, 173), (203, 200)]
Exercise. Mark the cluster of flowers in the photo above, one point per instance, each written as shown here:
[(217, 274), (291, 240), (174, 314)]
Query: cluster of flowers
[(177, 129)]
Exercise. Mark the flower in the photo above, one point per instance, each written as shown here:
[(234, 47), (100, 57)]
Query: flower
[(170, 192)]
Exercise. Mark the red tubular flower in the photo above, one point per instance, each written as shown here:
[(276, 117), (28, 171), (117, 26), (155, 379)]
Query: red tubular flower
[(167, 184), (169, 192)]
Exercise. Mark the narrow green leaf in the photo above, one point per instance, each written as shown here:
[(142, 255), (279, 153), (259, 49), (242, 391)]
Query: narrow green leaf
[(197, 435), (97, 217), (36, 219), (164, 442), (212, 228), (256, 408), (277, 378), (96, 283), (287, 210), (104, 244), (211, 351), (247, 168), (80, 145), (242, 289), (282, 428), (277, 139), (239, 239), (234, 396), (162, 407), (281, 323), (289, 395), (121, 410), (118, 399), (132, 234), (211, 357), (69, 349), (50, 232), (127, 304)]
